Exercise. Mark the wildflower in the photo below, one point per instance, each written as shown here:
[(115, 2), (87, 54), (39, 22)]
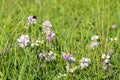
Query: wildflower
[(47, 24), (50, 35), (106, 60), (84, 62), (94, 44), (114, 26), (23, 41), (103, 56), (95, 37), (50, 56), (42, 55), (106, 63), (31, 20), (72, 59), (68, 57), (46, 30)]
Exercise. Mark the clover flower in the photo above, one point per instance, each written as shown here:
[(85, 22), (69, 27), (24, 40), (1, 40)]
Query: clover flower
[(68, 57), (84, 62), (23, 41), (50, 35), (95, 37), (31, 20), (106, 60), (42, 55), (47, 23), (50, 56)]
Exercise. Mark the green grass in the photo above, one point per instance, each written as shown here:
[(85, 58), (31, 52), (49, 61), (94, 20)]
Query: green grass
[(74, 22)]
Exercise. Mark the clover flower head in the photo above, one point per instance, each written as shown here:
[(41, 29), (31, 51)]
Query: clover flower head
[(106, 60), (50, 35), (68, 57), (95, 37), (42, 55), (84, 62), (31, 20), (47, 23), (23, 41)]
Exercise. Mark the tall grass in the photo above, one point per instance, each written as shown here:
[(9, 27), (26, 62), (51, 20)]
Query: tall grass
[(74, 23)]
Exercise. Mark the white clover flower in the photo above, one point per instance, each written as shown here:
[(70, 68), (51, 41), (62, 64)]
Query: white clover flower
[(84, 62), (95, 37), (23, 41), (107, 56), (50, 53), (106, 61), (103, 56), (47, 23), (72, 59)]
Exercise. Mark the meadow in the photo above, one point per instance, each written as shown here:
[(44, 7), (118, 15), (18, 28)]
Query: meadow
[(59, 40)]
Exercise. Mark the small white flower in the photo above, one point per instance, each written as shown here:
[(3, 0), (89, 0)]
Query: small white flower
[(103, 56), (23, 41), (72, 59), (50, 53), (107, 60), (107, 56), (95, 37), (84, 62)]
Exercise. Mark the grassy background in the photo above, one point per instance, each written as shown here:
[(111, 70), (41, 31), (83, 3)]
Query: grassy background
[(74, 22)]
